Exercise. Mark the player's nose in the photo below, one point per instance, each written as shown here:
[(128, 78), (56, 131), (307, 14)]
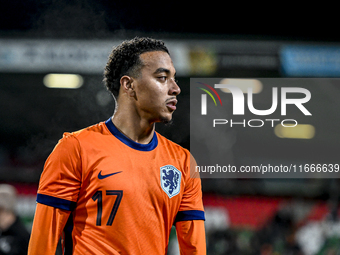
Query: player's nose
[(174, 88)]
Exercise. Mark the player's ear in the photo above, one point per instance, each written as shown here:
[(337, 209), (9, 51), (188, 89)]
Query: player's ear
[(127, 85)]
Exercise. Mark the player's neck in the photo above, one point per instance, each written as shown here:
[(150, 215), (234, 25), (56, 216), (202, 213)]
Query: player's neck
[(137, 129)]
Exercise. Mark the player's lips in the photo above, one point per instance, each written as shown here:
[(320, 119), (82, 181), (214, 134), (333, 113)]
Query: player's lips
[(171, 104)]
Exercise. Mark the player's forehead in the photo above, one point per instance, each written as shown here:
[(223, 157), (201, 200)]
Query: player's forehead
[(157, 60)]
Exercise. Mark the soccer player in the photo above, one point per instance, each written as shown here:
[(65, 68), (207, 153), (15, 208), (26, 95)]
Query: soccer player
[(118, 187)]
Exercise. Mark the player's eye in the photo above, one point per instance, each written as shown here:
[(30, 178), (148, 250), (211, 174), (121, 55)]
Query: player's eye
[(162, 78)]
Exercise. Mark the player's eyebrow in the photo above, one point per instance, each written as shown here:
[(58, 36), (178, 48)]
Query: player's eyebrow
[(162, 70)]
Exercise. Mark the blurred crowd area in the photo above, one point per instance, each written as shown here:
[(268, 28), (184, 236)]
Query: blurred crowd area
[(244, 224), (279, 236), (265, 226)]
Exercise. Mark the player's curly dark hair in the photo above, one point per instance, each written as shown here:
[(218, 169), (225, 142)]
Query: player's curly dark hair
[(124, 60)]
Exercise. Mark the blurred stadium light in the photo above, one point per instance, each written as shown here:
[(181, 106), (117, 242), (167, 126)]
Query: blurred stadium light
[(243, 84), (65, 81), (300, 131)]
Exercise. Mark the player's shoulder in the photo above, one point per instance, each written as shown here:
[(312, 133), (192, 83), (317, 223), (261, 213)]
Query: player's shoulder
[(167, 143), (87, 134), (96, 129)]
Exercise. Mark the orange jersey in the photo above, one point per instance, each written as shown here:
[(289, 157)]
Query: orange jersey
[(124, 196)]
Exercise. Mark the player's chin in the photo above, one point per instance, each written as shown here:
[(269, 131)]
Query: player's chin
[(166, 119)]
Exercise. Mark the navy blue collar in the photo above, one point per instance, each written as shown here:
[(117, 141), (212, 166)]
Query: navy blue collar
[(132, 144)]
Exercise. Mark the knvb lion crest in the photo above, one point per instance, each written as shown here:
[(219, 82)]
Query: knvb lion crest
[(170, 180)]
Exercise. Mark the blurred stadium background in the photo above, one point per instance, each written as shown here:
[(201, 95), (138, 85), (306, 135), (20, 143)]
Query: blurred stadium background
[(258, 216)]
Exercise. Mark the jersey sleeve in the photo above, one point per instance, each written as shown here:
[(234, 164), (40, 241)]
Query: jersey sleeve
[(61, 178), (191, 237), (47, 227), (191, 207)]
